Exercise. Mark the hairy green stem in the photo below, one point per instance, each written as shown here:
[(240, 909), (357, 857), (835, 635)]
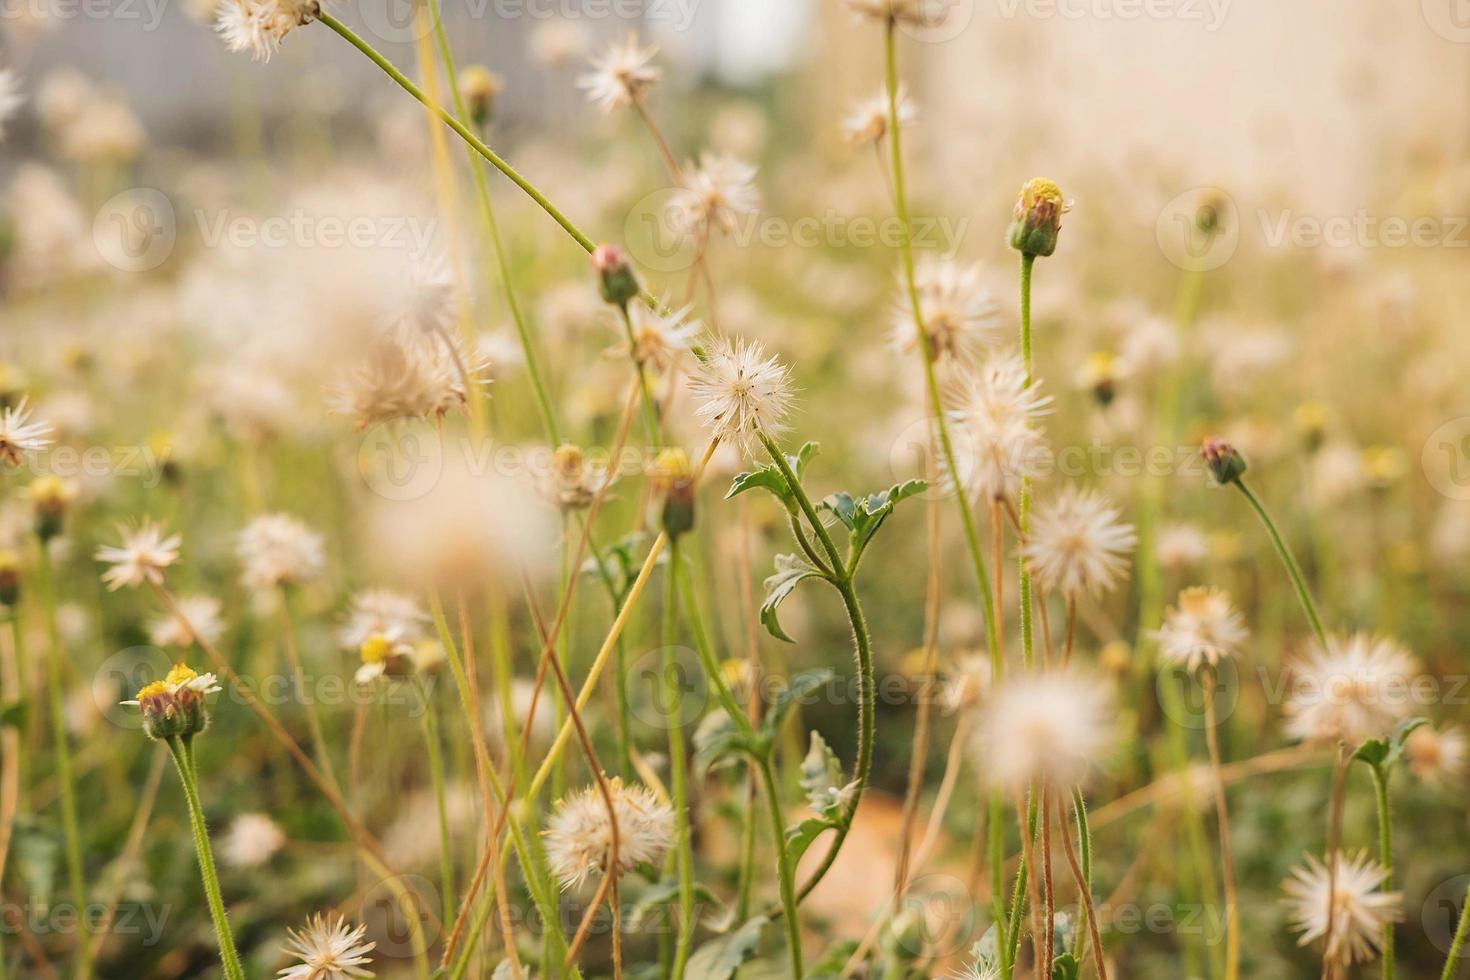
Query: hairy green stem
[(1028, 654), (182, 750), (459, 128), (1385, 857), (1298, 581), (430, 722), (1456, 944)]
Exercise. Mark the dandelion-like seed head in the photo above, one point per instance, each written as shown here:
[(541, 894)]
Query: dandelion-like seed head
[(1351, 902), (251, 840), (579, 838), (1203, 628), (957, 311), (1056, 727), (142, 557), (742, 394), (259, 26), (276, 550), (197, 614), (621, 75), (1355, 689), (1078, 543), (1437, 756), (997, 415), (21, 434), (868, 121), (661, 338), (329, 949), (715, 195)]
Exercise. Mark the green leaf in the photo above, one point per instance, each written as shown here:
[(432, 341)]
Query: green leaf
[(798, 688), (1383, 753), (862, 516), (13, 714), (720, 958), (769, 477), (790, 570), (1065, 967), (717, 741), (821, 777), (666, 892), (803, 835), (842, 506)]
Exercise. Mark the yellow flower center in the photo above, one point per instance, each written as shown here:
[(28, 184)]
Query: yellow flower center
[(375, 649), (156, 689), (179, 676)]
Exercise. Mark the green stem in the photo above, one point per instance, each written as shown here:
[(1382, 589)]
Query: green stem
[(677, 766), (931, 384), (1084, 848), (1385, 857), (492, 225), (783, 868), (65, 775), (1292, 568), (459, 128), (183, 753), (436, 775), (1461, 931), (1027, 642)]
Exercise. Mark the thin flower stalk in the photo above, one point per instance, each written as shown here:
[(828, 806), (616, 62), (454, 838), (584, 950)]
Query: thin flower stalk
[(65, 775), (1385, 858), (182, 750), (430, 720), (678, 777), (1222, 813), (1462, 931)]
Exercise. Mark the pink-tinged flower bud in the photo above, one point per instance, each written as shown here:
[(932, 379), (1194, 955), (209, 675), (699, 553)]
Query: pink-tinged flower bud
[(1038, 218), (616, 278), (1223, 459)]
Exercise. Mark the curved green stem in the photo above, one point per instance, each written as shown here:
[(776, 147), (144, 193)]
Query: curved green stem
[(459, 128), (182, 750), (1298, 581), (931, 384), (1028, 654), (783, 868), (1456, 944)]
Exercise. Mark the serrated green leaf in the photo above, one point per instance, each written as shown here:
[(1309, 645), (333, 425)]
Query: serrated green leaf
[(764, 478), (821, 774), (790, 570), (1384, 753), (874, 509), (803, 835), (799, 687), (720, 958), (842, 506)]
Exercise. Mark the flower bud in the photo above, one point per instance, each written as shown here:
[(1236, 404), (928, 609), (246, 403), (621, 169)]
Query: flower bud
[(1099, 375), (1224, 461), (174, 707), (1038, 218), (1310, 419), (50, 496), (9, 578), (616, 278), (673, 479), (479, 86)]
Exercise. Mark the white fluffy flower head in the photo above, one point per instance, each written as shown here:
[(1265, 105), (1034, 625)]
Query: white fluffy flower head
[(579, 838), (1055, 726), (21, 434), (957, 310), (715, 195), (329, 949), (1358, 688), (201, 613), (621, 75), (1353, 904), (277, 549), (1203, 628), (259, 26), (867, 121), (1079, 543), (997, 418), (742, 393), (143, 555)]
